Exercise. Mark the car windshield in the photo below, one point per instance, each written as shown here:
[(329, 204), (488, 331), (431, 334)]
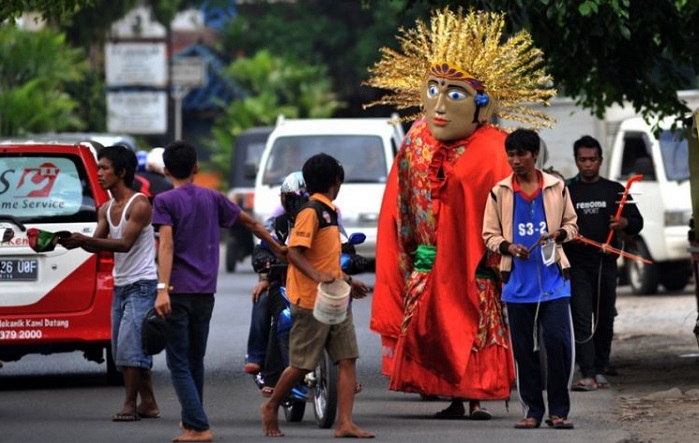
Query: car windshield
[(362, 156), (675, 152), (45, 188)]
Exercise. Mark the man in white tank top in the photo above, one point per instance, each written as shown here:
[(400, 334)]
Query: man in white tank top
[(124, 227)]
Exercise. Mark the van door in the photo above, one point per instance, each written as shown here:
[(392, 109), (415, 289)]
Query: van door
[(51, 192)]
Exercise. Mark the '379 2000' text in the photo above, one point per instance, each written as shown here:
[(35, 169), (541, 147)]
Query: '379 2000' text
[(21, 334)]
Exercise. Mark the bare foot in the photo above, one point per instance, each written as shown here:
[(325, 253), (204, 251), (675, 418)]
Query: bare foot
[(353, 431), (270, 421), (148, 410), (192, 435)]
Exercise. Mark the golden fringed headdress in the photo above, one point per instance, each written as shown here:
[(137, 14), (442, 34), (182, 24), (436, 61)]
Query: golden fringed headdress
[(511, 73)]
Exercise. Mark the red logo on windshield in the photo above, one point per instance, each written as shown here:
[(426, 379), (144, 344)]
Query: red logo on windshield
[(39, 180)]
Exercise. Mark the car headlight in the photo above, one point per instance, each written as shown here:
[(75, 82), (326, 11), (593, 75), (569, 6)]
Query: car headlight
[(677, 218)]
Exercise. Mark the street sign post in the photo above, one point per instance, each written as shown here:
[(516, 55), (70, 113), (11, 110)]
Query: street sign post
[(187, 73)]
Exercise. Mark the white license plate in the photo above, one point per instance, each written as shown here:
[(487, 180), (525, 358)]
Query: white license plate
[(19, 269)]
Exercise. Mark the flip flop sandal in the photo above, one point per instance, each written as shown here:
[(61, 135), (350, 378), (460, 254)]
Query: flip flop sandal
[(148, 416), (584, 385), (528, 423), (252, 368), (559, 423), (602, 382), (124, 417)]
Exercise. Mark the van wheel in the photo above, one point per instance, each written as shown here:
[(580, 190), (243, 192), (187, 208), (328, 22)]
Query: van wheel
[(231, 255), (675, 276), (114, 377), (642, 277)]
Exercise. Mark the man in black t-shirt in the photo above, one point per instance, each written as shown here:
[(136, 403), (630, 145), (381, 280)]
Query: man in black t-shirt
[(152, 181), (593, 272)]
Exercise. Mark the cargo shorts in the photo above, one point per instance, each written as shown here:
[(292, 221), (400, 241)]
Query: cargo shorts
[(309, 338)]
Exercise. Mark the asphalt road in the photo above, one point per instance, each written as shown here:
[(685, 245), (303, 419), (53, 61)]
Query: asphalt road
[(64, 398)]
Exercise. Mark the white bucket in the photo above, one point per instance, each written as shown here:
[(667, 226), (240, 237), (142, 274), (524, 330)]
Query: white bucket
[(331, 302)]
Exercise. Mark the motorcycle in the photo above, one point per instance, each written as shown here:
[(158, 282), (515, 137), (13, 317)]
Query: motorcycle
[(319, 385)]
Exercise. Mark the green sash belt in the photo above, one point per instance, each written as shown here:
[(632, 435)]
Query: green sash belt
[(424, 258)]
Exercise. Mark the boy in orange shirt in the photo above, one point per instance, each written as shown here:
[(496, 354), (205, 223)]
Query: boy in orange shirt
[(314, 257)]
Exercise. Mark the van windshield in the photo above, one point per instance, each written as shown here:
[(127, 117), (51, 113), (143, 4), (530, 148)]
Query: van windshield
[(675, 152), (45, 189), (362, 156)]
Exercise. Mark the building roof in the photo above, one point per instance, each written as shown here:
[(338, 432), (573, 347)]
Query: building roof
[(218, 90)]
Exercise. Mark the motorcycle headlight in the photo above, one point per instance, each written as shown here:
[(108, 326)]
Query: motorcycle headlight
[(677, 218)]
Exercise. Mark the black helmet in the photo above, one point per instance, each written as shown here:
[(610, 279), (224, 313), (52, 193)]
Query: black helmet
[(154, 333)]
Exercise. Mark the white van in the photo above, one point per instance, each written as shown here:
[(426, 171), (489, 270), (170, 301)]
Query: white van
[(663, 197), (366, 148)]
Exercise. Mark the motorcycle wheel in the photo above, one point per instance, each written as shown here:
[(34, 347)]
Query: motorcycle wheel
[(294, 410), (325, 392)]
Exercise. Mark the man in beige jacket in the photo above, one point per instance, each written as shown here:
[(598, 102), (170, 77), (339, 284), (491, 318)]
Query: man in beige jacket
[(527, 216)]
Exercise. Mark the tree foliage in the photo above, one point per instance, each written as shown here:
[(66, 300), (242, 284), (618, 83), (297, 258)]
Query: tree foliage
[(275, 86), (343, 35), (49, 9), (605, 52), (600, 52), (34, 70)]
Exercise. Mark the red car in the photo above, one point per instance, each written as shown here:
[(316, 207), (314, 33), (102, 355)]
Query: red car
[(58, 300)]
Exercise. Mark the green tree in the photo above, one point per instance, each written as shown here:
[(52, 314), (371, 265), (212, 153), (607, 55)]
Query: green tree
[(49, 9), (600, 52), (88, 91), (274, 86), (34, 69), (344, 36), (603, 52)]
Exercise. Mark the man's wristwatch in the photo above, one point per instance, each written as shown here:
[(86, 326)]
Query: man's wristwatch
[(163, 286)]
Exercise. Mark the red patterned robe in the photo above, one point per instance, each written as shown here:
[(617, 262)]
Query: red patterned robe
[(442, 330)]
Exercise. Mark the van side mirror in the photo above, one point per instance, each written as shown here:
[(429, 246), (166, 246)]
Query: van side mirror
[(250, 171)]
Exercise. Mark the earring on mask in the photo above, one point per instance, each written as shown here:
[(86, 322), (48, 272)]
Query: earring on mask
[(482, 99)]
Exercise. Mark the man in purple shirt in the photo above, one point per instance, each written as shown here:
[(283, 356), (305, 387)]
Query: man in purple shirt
[(189, 219)]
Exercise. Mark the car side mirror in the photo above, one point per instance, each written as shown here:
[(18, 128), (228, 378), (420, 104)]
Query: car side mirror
[(250, 170)]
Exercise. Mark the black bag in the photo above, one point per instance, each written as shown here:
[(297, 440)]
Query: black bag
[(154, 333)]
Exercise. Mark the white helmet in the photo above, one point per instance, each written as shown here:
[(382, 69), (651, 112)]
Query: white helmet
[(294, 183), (154, 160), (293, 193)]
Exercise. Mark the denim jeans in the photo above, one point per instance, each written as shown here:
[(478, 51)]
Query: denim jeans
[(186, 347), (260, 322), (129, 306)]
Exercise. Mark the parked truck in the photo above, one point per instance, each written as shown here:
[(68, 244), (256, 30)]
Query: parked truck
[(630, 145), (663, 197)]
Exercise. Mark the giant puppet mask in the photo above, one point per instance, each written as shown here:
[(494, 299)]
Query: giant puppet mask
[(461, 71), (454, 104)]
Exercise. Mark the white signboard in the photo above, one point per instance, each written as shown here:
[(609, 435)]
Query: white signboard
[(142, 112), (136, 64), (189, 72)]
